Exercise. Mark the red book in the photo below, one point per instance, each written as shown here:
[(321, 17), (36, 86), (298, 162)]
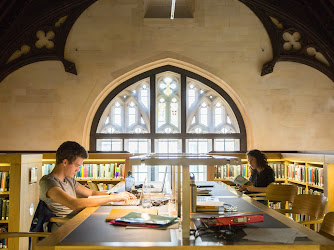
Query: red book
[(236, 220)]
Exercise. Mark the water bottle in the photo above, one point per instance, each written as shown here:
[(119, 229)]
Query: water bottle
[(129, 182), (193, 194), (146, 195)]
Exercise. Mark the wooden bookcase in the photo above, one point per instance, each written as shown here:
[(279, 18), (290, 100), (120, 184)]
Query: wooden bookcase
[(98, 158), (318, 160), (20, 205)]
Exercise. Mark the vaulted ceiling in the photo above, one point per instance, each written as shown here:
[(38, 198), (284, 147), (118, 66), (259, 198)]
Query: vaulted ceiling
[(36, 30)]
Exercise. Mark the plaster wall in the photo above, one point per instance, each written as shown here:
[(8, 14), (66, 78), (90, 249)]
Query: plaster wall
[(290, 109)]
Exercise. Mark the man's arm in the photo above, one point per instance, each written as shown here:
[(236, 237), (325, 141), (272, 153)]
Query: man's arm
[(85, 192), (76, 204)]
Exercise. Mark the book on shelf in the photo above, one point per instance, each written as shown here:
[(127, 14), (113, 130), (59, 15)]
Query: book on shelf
[(229, 171), (296, 172), (316, 176), (3, 242), (4, 181), (94, 171), (278, 170), (4, 208)]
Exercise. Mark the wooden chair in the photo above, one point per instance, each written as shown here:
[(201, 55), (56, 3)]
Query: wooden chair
[(277, 192), (37, 225), (35, 236), (308, 204), (327, 226)]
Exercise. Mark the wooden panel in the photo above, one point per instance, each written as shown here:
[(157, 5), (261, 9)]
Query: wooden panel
[(210, 173), (29, 192), (330, 186)]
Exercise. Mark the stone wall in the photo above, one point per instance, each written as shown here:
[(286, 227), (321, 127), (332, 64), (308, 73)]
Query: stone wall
[(290, 109)]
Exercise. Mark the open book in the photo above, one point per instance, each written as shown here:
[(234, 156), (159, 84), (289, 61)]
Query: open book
[(240, 180)]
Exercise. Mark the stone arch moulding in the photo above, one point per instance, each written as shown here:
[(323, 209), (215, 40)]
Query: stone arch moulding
[(39, 33), (291, 26), (101, 100)]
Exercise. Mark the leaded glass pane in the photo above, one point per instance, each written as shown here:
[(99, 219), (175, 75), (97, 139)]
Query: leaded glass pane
[(168, 104), (226, 145), (168, 146), (132, 114), (161, 112), (137, 145), (128, 111), (208, 112), (197, 146), (109, 145)]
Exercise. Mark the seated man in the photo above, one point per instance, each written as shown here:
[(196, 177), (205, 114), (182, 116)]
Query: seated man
[(59, 190)]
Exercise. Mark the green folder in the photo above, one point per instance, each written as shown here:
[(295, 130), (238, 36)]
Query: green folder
[(144, 218)]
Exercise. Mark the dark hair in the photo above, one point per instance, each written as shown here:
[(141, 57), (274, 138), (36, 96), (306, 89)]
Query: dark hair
[(70, 150), (261, 158)]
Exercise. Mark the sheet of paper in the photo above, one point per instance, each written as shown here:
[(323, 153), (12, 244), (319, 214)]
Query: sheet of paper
[(278, 235)]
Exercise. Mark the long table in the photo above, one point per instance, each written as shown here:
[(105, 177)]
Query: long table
[(88, 230)]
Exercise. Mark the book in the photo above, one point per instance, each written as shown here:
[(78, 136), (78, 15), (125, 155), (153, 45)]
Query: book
[(121, 212), (142, 219), (240, 180), (207, 208), (234, 220)]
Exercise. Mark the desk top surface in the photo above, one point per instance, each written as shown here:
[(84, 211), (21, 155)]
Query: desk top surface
[(89, 228)]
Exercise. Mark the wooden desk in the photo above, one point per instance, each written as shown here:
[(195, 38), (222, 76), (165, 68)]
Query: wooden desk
[(88, 230)]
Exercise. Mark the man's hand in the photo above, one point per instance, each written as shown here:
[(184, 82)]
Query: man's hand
[(123, 196)]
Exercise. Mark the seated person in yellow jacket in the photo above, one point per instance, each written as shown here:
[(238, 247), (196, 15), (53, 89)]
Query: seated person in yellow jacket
[(59, 190)]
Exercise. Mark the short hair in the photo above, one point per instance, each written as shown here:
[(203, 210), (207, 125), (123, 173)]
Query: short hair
[(70, 150), (260, 157)]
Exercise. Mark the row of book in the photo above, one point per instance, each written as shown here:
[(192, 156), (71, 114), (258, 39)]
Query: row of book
[(4, 181), (278, 170), (301, 217), (94, 171), (296, 172), (231, 171), (4, 208), (316, 176), (3, 242), (311, 175)]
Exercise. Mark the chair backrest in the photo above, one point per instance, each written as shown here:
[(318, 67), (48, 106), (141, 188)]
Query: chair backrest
[(309, 204), (281, 192), (327, 226), (92, 186)]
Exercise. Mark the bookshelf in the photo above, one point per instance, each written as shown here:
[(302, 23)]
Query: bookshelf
[(19, 217), (100, 168), (323, 162)]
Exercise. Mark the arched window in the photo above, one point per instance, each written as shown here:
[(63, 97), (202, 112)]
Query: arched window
[(168, 110)]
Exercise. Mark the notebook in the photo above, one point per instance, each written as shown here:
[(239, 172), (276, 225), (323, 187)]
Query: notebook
[(209, 201)]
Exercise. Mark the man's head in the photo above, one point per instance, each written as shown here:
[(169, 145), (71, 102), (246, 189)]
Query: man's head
[(70, 150)]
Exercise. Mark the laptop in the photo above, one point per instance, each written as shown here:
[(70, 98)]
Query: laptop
[(160, 189)]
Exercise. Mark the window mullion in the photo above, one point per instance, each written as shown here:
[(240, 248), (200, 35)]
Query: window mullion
[(183, 110), (152, 110)]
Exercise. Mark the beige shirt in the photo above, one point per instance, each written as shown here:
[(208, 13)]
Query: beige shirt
[(49, 181)]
